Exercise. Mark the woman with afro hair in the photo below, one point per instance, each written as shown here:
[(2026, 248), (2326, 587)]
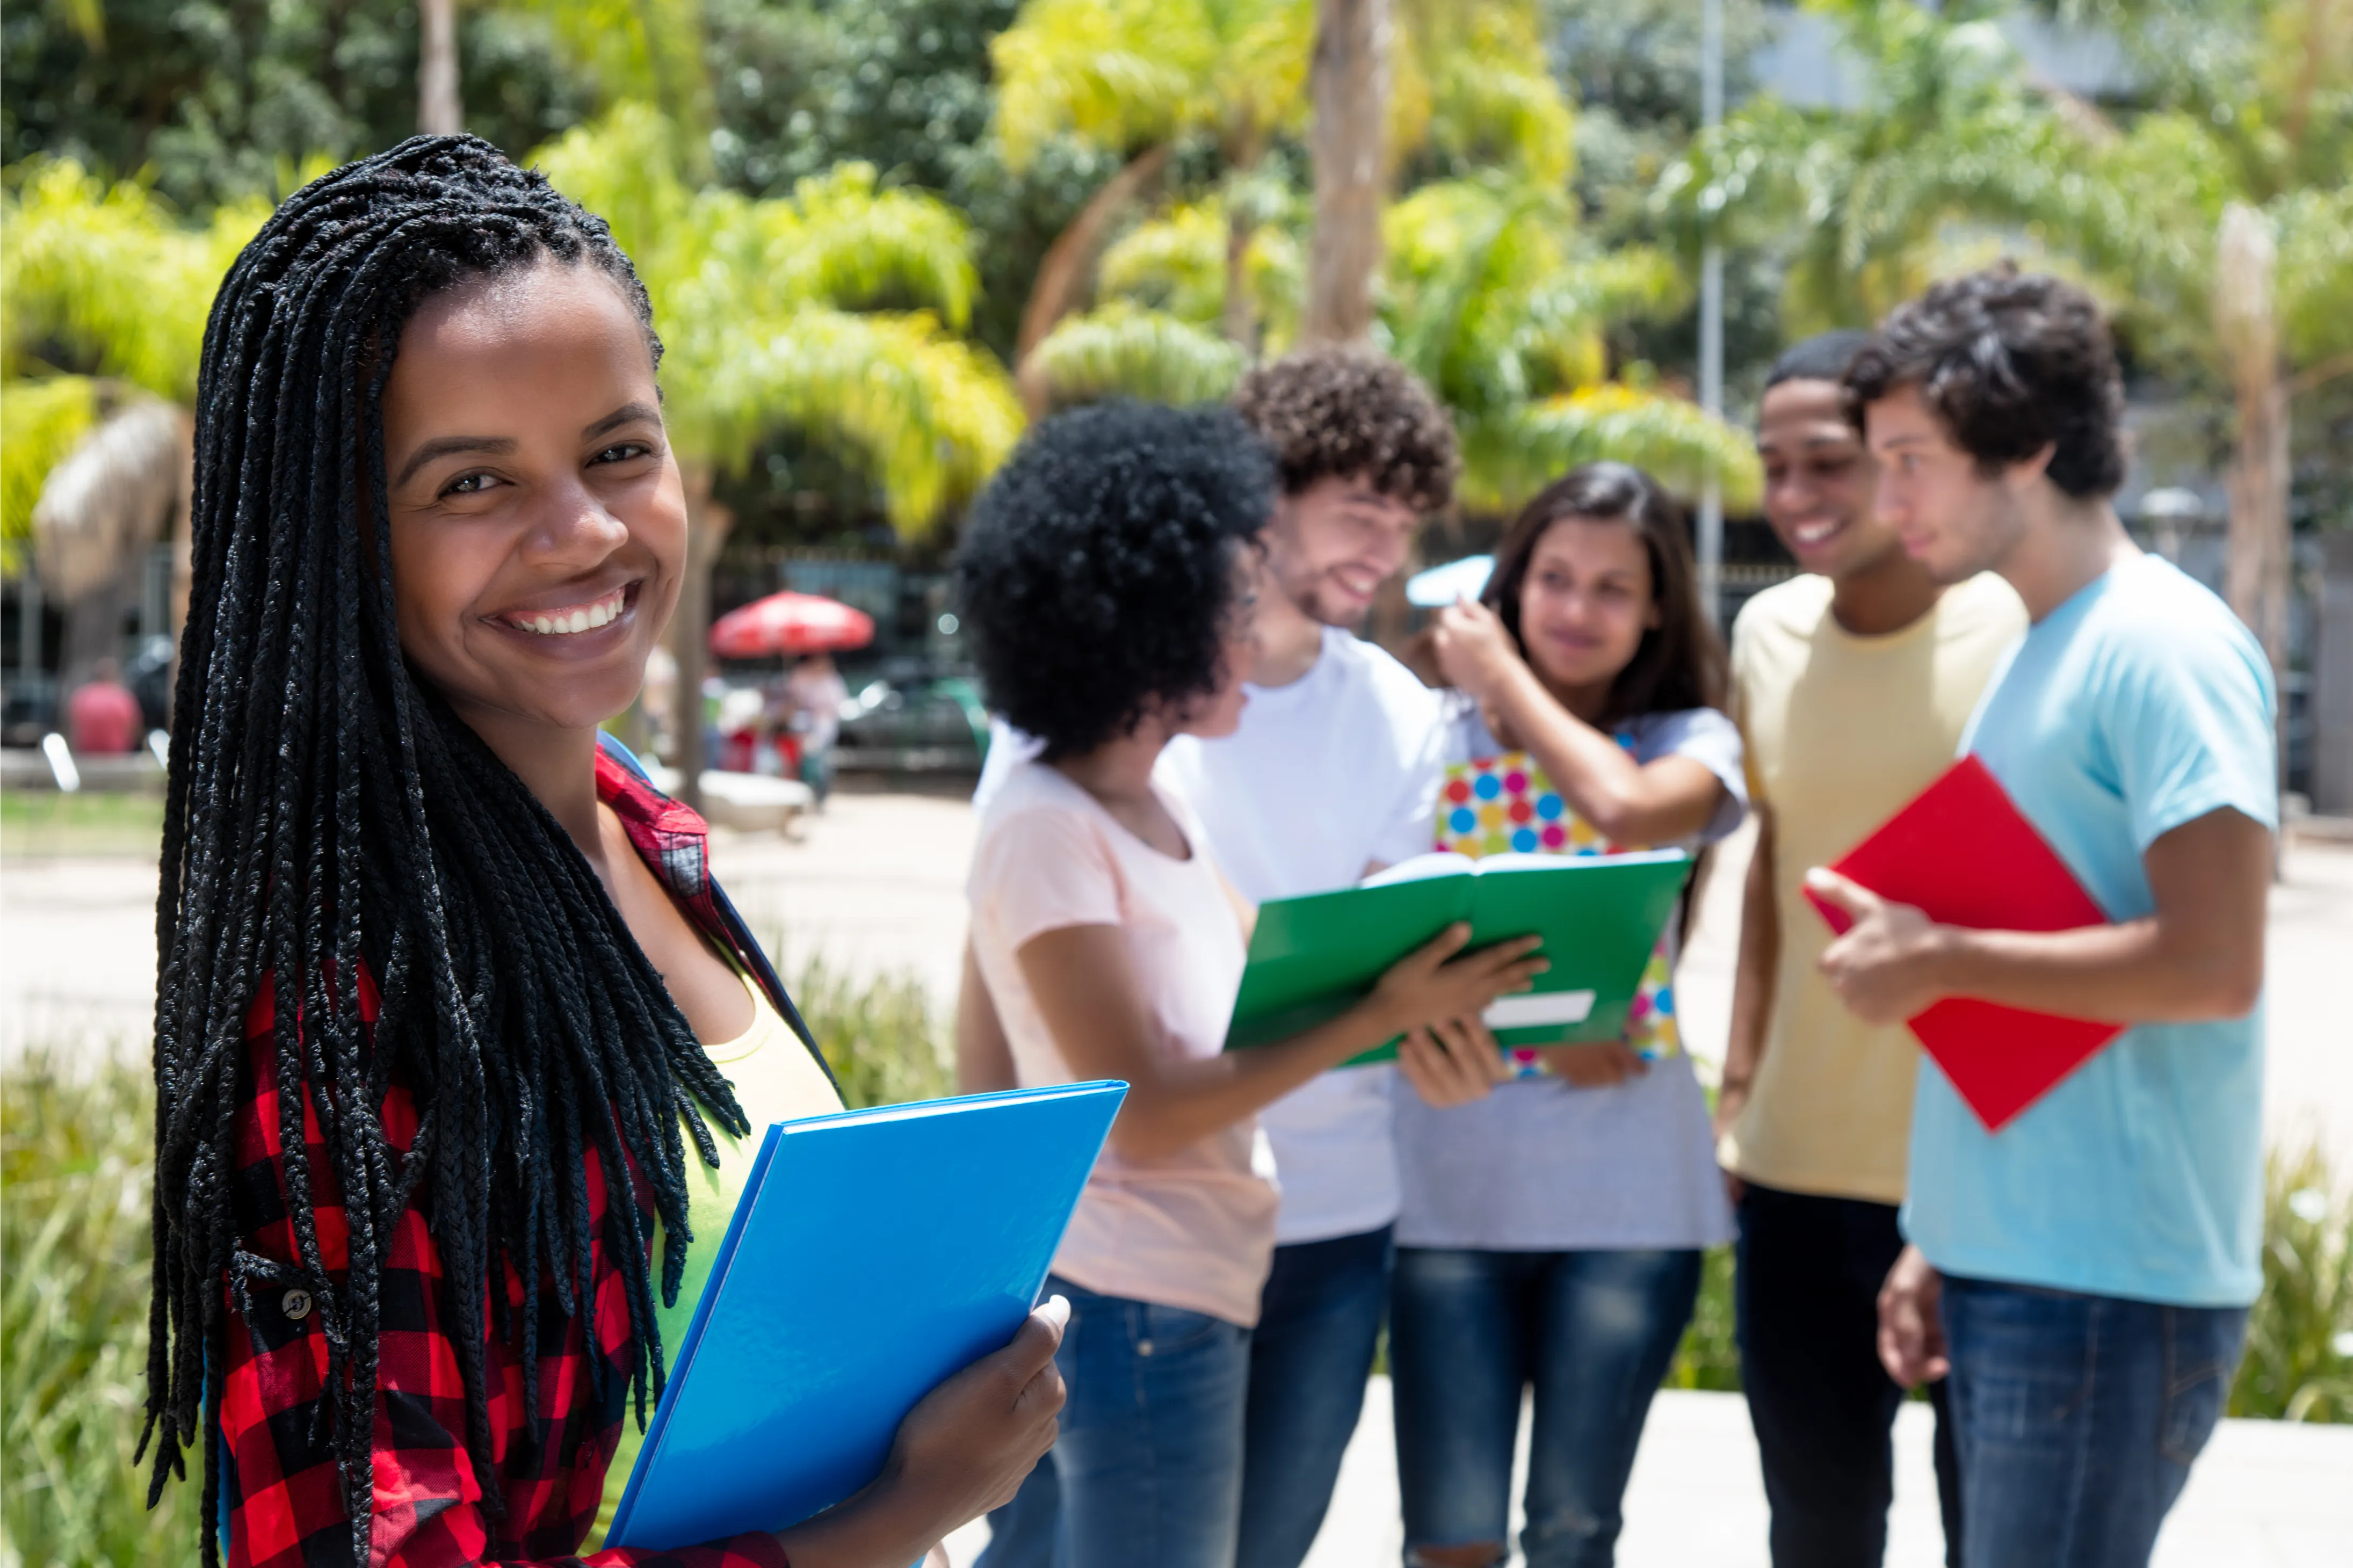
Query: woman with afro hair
[(1108, 574), (458, 1047)]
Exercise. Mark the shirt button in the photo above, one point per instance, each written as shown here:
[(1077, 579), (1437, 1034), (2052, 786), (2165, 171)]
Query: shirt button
[(295, 1304)]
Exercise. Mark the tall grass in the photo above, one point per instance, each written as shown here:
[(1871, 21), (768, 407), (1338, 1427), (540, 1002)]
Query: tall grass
[(2299, 1358), (76, 1146), (881, 1038)]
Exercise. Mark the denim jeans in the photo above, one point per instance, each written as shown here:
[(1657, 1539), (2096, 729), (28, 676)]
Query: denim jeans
[(1319, 1320), (1147, 1472), (1592, 1331), (1806, 1306), (2078, 1418)]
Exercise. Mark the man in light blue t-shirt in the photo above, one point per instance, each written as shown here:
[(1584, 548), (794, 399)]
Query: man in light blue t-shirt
[(2083, 1275)]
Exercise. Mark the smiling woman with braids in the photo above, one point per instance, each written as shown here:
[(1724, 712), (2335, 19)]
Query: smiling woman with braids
[(455, 1038)]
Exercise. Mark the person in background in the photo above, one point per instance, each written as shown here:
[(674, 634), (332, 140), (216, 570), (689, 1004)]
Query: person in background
[(814, 693), (1551, 1232), (102, 715), (2082, 1277), (1108, 576), (1331, 773), (1851, 684)]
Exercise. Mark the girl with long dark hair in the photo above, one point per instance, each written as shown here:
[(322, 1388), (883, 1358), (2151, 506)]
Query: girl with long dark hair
[(458, 1047), (1551, 1232)]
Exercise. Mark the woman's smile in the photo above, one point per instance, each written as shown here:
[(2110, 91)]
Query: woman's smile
[(577, 615)]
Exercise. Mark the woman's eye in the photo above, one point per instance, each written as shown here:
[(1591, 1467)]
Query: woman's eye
[(468, 485), (622, 452)]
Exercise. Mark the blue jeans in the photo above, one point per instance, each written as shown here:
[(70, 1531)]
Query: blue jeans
[(1319, 1320), (1147, 1472), (2078, 1418), (1592, 1331)]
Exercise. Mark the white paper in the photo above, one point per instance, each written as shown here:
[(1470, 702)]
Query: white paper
[(1533, 1009)]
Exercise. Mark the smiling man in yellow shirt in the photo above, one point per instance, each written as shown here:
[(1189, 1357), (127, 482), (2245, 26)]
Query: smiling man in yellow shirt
[(1851, 684)]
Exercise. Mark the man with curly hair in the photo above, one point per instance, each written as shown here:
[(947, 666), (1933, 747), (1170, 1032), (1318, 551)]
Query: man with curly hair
[(2083, 1273), (1332, 773)]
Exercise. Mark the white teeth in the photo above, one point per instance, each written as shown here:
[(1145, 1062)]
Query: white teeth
[(587, 618)]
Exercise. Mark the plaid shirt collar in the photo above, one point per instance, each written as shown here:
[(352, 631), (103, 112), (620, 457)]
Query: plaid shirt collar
[(670, 836)]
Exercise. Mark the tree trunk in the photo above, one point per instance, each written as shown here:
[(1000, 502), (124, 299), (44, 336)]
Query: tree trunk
[(2255, 579), (1239, 319), (707, 522), (438, 111), (1351, 85), (1067, 260)]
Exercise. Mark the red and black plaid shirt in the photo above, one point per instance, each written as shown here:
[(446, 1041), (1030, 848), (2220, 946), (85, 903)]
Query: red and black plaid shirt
[(284, 1503)]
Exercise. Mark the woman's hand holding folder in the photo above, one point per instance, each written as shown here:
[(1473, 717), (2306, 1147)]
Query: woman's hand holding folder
[(965, 1450)]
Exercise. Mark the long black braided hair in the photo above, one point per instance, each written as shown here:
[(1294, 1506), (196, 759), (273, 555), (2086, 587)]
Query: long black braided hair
[(327, 812)]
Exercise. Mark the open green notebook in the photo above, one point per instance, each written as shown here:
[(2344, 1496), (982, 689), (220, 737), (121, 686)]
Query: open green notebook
[(1311, 957)]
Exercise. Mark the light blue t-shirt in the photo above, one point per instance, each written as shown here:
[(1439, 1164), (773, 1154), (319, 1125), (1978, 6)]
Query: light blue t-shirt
[(2138, 705)]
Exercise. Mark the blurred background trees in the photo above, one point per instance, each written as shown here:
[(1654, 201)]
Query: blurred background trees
[(915, 207)]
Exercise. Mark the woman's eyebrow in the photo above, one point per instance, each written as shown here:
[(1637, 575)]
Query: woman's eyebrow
[(628, 412), (444, 446)]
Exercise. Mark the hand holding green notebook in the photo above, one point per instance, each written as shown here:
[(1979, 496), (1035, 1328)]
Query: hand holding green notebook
[(1311, 958)]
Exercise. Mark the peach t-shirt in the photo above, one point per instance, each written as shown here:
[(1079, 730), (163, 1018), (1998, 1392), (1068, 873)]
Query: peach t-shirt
[(1194, 1229)]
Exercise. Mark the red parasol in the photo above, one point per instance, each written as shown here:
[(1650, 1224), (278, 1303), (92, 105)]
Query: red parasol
[(790, 623)]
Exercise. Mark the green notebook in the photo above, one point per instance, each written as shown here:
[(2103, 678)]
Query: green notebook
[(1311, 957)]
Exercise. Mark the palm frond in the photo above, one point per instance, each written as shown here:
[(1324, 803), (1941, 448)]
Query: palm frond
[(1510, 454), (1122, 350), (41, 423), (107, 274), (1492, 93), (648, 51), (1176, 263), (1107, 69), (933, 414)]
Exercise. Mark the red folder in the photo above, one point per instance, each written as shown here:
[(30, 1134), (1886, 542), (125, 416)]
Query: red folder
[(1962, 855)]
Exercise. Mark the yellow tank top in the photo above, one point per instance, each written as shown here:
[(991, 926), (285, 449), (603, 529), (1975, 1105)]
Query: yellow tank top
[(775, 1080)]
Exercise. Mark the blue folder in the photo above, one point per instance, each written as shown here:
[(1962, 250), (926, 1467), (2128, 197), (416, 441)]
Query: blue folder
[(873, 1255)]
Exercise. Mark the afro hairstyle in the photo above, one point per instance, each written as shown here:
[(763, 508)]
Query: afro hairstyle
[(1097, 569), (1345, 411)]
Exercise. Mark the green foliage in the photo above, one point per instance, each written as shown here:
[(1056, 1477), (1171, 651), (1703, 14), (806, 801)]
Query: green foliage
[(2299, 1357), (1125, 350), (41, 422), (76, 1153), (1124, 73), (755, 301), (1709, 1356), (214, 96), (41, 823), (103, 278), (881, 1039)]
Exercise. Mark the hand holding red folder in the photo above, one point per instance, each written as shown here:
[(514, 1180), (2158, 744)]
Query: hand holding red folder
[(1962, 855)]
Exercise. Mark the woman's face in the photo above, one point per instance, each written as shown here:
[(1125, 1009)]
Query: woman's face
[(1586, 601), (1219, 711), (538, 523)]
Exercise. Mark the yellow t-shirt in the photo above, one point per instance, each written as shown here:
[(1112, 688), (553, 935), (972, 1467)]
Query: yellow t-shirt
[(1843, 730), (775, 1080)]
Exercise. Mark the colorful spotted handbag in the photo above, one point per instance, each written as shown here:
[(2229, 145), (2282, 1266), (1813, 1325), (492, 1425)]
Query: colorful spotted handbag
[(1505, 805)]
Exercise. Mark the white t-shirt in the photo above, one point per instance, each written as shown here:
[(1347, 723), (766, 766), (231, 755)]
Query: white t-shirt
[(1327, 775)]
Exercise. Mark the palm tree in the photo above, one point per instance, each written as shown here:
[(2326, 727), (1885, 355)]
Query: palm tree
[(1139, 76), (2219, 229), (764, 308), (106, 279), (1489, 293)]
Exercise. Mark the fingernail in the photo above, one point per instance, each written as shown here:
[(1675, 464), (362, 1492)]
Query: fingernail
[(1057, 1310)]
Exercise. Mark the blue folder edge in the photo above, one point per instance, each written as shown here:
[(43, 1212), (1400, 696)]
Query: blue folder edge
[(677, 1372), (720, 1265)]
